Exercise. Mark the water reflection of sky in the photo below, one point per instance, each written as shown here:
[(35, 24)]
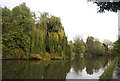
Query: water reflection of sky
[(84, 75), (84, 68)]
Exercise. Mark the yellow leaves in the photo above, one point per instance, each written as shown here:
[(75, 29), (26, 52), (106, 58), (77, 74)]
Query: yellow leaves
[(36, 56), (56, 36), (45, 56), (61, 33)]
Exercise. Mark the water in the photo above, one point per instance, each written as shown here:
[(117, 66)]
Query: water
[(79, 68)]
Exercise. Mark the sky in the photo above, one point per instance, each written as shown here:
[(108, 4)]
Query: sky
[(78, 17), (84, 75)]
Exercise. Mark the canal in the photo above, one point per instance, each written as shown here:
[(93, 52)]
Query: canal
[(79, 68)]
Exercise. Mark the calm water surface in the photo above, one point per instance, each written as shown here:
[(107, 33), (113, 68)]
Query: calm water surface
[(79, 68)]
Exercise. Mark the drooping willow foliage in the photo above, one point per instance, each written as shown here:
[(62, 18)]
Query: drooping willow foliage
[(23, 37), (48, 37)]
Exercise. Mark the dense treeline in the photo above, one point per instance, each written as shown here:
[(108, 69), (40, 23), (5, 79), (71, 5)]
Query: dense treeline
[(93, 47), (24, 37)]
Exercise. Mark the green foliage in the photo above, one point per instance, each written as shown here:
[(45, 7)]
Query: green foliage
[(94, 47), (90, 45), (17, 24), (79, 46), (108, 72), (116, 47), (24, 37), (6, 20), (50, 37), (99, 48), (22, 20)]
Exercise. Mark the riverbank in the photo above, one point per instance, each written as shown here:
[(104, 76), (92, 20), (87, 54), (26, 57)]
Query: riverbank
[(16, 58), (116, 72), (109, 71)]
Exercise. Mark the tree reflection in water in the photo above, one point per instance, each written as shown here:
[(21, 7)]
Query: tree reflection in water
[(22, 69)]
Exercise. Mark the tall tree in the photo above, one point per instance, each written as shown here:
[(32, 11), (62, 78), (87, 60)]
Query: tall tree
[(90, 45), (116, 47), (94, 47), (6, 23), (22, 19), (79, 45), (6, 20), (17, 25)]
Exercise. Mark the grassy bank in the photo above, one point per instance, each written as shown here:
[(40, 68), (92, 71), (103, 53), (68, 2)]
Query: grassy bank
[(108, 72)]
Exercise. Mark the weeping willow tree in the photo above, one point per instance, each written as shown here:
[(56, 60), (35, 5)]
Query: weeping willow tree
[(48, 39), (24, 37)]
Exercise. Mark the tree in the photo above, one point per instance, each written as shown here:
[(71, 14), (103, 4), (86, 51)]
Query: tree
[(116, 47), (79, 45), (49, 37), (6, 20), (94, 47), (90, 45), (6, 23), (17, 25), (71, 45), (22, 23), (107, 44), (99, 48), (22, 19), (54, 24), (24, 37), (109, 6)]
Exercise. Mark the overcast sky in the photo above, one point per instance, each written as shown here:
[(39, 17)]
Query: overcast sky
[(77, 16)]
